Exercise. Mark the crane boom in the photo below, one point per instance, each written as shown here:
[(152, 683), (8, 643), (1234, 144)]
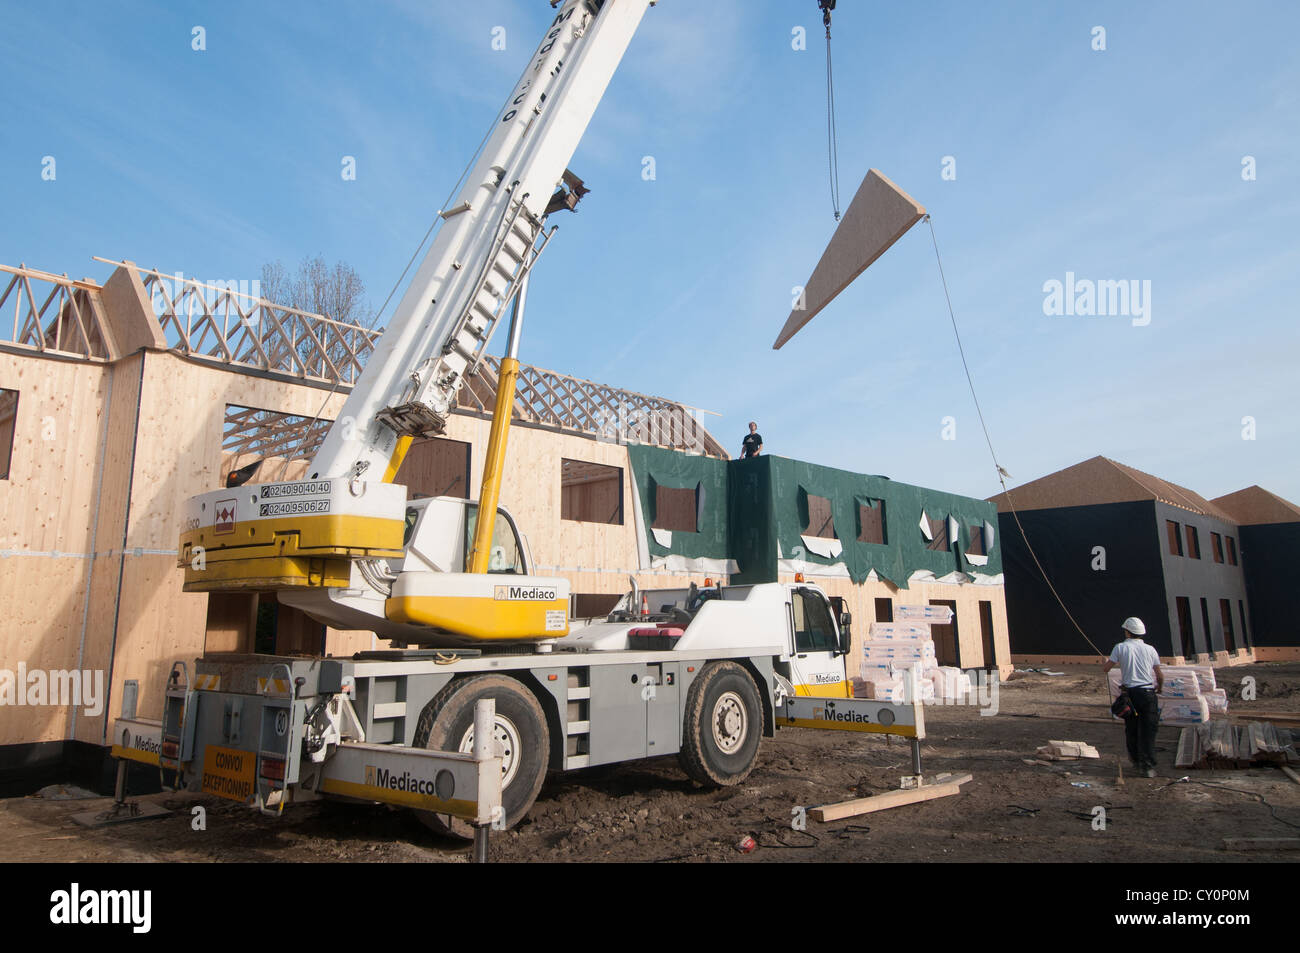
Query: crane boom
[(344, 544), (490, 236)]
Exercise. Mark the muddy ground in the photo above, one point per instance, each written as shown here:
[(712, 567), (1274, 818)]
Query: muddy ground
[(650, 812)]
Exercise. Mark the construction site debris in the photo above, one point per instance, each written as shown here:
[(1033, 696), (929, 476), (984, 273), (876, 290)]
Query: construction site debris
[(1261, 843), (1067, 751), (1222, 744), (881, 802)]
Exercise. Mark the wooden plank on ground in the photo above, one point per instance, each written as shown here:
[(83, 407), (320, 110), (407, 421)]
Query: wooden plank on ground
[(1290, 773), (1261, 843), (881, 802)]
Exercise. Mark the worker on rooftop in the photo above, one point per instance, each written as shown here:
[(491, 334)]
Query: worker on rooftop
[(1141, 678), (752, 445)]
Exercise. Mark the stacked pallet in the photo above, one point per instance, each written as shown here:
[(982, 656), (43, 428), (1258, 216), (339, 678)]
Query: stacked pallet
[(899, 662), (1188, 694), (1221, 744)]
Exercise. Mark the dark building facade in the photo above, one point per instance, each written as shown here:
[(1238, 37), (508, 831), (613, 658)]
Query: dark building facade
[(1116, 542), (1270, 539)]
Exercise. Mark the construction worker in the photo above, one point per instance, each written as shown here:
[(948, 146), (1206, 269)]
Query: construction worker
[(752, 445), (1140, 676)]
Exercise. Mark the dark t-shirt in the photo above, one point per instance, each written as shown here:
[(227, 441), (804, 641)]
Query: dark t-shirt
[(749, 446)]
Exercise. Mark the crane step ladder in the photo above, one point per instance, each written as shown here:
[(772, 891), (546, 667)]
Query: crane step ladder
[(519, 242)]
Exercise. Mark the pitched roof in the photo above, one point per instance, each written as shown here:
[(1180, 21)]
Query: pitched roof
[(1102, 480), (1255, 505)]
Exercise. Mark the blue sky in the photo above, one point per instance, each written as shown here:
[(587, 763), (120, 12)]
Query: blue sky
[(1117, 164)]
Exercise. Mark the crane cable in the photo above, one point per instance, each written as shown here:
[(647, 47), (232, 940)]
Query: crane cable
[(832, 139), (1001, 473)]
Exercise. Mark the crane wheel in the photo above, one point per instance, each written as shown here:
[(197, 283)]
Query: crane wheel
[(723, 726), (447, 724)]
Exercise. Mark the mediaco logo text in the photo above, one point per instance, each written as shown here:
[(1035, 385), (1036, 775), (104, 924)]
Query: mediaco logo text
[(40, 687), (1128, 298), (169, 293)]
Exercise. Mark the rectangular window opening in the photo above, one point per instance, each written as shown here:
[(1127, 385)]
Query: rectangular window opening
[(8, 424), (871, 522), (938, 540), (1175, 538), (677, 510), (591, 492), (1229, 634), (818, 521)]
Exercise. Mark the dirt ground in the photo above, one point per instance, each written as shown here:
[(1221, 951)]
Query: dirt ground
[(650, 812)]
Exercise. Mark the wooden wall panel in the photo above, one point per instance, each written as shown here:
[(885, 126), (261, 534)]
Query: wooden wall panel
[(40, 625), (47, 520)]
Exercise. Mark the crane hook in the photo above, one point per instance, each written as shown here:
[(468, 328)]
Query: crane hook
[(826, 6)]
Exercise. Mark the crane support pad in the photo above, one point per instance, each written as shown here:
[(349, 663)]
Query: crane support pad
[(136, 740), (853, 714), (443, 782)]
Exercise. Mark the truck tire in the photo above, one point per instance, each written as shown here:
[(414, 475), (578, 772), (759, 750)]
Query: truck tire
[(722, 726), (447, 724)]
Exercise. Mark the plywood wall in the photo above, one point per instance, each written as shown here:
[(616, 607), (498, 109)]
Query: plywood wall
[(47, 525)]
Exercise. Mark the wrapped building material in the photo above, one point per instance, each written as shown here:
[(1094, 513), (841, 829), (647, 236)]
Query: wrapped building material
[(898, 632), (1217, 699), (1181, 686), (1183, 711)]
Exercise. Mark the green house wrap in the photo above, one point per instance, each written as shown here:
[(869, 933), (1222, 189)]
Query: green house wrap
[(757, 512)]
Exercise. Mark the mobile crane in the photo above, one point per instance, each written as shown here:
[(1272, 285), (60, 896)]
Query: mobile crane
[(701, 672)]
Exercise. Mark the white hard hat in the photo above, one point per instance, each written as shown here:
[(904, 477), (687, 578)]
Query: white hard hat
[(1134, 624)]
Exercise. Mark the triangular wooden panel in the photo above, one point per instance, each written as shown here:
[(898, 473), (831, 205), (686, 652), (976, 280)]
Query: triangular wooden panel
[(879, 215)]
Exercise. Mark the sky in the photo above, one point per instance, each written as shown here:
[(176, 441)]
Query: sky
[(1156, 143)]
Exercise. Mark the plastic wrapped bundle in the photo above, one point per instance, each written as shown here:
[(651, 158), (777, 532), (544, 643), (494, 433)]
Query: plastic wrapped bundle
[(898, 632), (931, 614), (1202, 675), (1183, 711), (907, 651), (1217, 700), (925, 689), (949, 682), (877, 668), (893, 691), (1181, 685)]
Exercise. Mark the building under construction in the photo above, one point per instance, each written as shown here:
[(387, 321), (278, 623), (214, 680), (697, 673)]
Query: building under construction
[(120, 401)]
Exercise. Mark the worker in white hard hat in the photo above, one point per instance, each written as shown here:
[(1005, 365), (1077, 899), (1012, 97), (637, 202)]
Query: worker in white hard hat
[(1141, 678)]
